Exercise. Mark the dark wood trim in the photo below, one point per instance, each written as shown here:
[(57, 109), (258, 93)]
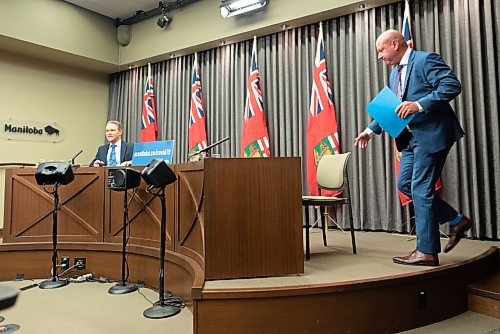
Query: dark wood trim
[(17, 164), (1, 232)]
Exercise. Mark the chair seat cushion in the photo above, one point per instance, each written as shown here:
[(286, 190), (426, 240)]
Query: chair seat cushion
[(323, 200), (320, 198)]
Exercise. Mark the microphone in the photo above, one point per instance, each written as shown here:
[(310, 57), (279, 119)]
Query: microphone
[(72, 160), (207, 148)]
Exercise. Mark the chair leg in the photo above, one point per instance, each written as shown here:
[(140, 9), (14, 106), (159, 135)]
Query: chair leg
[(353, 237), (324, 217), (308, 252)]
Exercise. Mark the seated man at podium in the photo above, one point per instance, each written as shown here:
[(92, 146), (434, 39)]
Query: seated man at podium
[(116, 152)]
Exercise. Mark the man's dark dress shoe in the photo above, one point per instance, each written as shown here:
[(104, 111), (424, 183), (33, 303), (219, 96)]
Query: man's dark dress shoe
[(456, 233), (417, 258)]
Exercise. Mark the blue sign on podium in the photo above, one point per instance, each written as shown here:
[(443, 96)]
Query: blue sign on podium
[(145, 152)]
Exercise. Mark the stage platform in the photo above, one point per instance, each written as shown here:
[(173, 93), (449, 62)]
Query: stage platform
[(339, 292), (336, 263)]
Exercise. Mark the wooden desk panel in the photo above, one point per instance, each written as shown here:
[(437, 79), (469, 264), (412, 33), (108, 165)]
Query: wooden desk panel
[(189, 228), (28, 208), (144, 215)]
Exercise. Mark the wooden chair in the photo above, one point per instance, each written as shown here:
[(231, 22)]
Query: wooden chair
[(330, 175)]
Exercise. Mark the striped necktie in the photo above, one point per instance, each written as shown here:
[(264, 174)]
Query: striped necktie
[(398, 87), (112, 156)]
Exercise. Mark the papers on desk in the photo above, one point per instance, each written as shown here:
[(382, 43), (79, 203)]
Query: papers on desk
[(383, 109)]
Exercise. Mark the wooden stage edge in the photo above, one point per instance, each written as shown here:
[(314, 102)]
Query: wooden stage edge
[(378, 305)]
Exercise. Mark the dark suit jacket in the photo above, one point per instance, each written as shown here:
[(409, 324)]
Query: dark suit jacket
[(127, 149), (431, 83)]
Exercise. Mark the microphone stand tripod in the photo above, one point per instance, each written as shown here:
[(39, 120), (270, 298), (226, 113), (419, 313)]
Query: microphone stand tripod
[(160, 309), (54, 282), (123, 286)]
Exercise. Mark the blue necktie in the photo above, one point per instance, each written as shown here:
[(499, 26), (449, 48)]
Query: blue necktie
[(398, 89), (112, 156)]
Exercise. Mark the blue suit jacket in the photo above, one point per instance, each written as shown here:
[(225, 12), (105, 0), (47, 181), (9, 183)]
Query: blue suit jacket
[(431, 83), (126, 151)]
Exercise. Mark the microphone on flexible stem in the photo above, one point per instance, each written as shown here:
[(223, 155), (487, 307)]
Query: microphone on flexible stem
[(72, 160), (206, 149)]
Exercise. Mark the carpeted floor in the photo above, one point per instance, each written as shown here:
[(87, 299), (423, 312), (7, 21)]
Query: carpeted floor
[(88, 308)]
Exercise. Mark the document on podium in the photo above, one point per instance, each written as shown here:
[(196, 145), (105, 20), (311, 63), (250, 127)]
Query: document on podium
[(383, 109)]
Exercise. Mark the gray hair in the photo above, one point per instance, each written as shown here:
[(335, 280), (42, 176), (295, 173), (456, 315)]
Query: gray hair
[(118, 124)]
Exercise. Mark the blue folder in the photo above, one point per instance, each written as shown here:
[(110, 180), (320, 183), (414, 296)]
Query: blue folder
[(383, 109)]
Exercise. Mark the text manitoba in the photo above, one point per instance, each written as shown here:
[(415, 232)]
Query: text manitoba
[(23, 129)]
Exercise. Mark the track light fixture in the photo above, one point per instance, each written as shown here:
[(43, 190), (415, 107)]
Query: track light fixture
[(164, 19), (236, 7)]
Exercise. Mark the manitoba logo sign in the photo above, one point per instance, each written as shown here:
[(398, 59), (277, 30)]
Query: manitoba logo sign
[(13, 129)]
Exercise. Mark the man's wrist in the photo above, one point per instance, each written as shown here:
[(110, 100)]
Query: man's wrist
[(369, 132), (420, 109)]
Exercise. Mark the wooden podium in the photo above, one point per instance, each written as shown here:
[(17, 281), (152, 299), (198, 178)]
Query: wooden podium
[(241, 217), (235, 217)]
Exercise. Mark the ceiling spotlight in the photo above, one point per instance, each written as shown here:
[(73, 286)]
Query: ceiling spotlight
[(230, 8), (164, 21)]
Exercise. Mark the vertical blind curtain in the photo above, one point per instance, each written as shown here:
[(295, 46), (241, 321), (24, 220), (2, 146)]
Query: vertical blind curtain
[(464, 32)]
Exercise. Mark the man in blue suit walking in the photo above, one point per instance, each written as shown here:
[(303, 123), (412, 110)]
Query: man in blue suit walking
[(425, 85)]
